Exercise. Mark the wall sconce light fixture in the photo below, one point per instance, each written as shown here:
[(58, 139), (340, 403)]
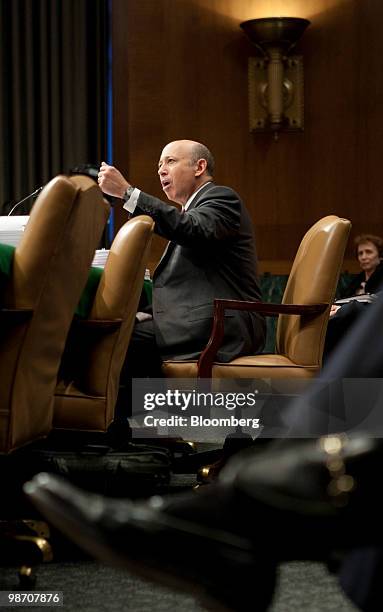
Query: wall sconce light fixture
[(276, 79)]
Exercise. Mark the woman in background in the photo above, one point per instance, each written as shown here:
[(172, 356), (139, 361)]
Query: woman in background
[(369, 252)]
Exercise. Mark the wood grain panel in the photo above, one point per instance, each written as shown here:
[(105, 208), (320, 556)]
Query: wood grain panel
[(180, 71)]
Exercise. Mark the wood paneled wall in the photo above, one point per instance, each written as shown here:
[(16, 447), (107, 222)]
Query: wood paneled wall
[(180, 71)]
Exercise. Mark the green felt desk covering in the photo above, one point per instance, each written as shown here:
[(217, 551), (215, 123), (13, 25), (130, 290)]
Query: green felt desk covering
[(85, 304), (6, 256), (86, 300)]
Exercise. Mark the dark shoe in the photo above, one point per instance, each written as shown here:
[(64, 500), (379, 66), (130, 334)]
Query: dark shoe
[(316, 476), (214, 564), (323, 489)]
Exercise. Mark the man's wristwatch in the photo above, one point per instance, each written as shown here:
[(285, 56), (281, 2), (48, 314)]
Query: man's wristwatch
[(128, 193)]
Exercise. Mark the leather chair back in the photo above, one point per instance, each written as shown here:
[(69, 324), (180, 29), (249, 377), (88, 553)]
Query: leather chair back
[(50, 268), (299, 338), (313, 279), (86, 395)]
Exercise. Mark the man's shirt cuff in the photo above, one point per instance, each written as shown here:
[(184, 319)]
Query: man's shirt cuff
[(131, 204)]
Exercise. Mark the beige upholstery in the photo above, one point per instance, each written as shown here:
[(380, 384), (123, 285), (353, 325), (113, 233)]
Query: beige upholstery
[(50, 269), (299, 337), (87, 393)]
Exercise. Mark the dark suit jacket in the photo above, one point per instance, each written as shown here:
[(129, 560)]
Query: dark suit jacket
[(211, 254)]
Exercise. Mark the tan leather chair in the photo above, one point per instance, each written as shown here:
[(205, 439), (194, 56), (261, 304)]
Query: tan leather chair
[(302, 316), (86, 394), (50, 268)]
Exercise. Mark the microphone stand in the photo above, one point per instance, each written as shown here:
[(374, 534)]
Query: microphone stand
[(31, 195)]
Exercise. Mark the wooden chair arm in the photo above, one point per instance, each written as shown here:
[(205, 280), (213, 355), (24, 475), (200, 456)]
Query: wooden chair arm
[(208, 356)]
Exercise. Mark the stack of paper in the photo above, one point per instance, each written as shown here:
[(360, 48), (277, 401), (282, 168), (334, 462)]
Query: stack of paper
[(367, 298), (11, 229), (100, 257)]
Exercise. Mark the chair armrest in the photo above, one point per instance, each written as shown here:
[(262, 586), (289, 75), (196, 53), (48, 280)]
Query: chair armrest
[(207, 358)]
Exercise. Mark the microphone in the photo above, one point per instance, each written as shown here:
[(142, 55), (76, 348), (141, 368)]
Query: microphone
[(31, 195)]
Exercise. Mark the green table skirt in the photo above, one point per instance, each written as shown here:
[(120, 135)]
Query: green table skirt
[(89, 292)]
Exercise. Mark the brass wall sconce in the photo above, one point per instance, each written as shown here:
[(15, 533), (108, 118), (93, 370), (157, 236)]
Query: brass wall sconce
[(276, 79)]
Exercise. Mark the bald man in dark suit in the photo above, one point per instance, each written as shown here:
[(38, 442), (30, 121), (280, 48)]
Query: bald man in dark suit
[(211, 254)]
